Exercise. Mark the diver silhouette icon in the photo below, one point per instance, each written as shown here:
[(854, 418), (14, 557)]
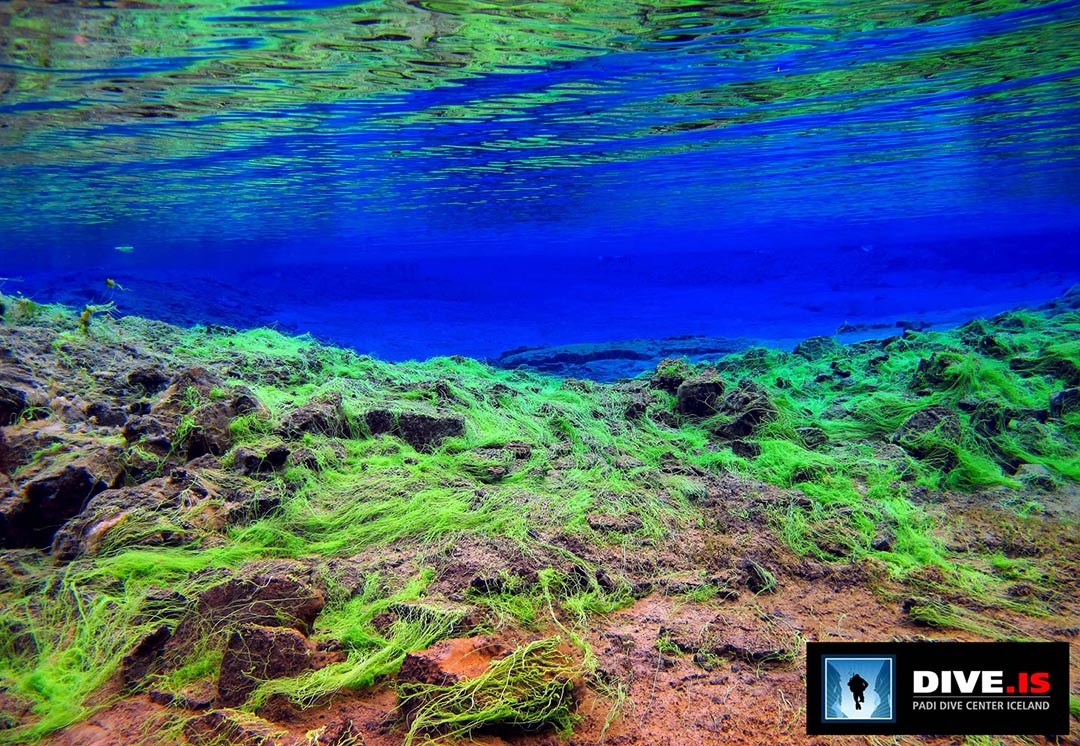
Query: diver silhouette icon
[(858, 685)]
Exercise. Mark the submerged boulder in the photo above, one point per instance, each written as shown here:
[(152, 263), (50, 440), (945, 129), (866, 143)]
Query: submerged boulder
[(161, 512), (816, 348), (321, 416), (700, 395), (747, 408), (21, 394), (424, 432), (52, 491), (191, 418), (1064, 402), (931, 434), (255, 653), (670, 373), (241, 601)]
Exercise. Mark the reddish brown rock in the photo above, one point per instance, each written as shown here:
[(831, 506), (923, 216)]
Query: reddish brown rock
[(56, 489), (191, 418), (255, 653), (260, 599), (138, 662), (451, 661)]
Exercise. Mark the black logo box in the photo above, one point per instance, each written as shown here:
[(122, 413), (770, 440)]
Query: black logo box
[(976, 714)]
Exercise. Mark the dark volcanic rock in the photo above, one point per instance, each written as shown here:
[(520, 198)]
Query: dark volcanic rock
[(149, 380), (669, 374), (8, 457), (1063, 402), (20, 393), (55, 491), (700, 396), (745, 448), (932, 433), (150, 432), (812, 436), (380, 422), (1036, 476), (238, 603), (137, 663), (748, 405), (192, 418), (1050, 362), (270, 600), (937, 372), (256, 653), (107, 414), (322, 416), (816, 348), (151, 514), (250, 461), (423, 432)]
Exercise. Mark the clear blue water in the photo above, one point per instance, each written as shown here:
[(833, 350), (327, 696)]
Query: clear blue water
[(455, 176)]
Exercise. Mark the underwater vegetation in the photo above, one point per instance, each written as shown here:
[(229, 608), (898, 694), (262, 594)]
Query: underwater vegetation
[(228, 530)]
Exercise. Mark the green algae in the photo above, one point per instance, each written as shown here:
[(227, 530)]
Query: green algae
[(529, 689)]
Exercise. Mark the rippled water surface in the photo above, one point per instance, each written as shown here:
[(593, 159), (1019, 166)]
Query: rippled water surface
[(618, 168)]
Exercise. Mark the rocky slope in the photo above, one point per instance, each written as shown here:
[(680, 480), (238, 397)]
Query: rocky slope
[(221, 537)]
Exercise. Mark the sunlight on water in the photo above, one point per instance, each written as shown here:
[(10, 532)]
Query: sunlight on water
[(370, 119)]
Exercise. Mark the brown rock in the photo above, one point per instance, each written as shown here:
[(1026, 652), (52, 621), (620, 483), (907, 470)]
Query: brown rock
[(424, 432), (8, 456), (106, 414), (931, 433), (322, 416), (138, 663), (147, 379), (191, 418), (700, 396), (255, 653), (21, 394), (450, 661), (669, 375), (55, 490), (380, 422), (250, 461), (749, 407), (273, 601), (816, 348), (619, 524)]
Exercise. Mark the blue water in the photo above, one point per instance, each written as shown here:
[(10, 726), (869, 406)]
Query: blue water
[(468, 177)]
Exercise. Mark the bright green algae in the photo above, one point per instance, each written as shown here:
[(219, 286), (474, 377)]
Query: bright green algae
[(618, 450)]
